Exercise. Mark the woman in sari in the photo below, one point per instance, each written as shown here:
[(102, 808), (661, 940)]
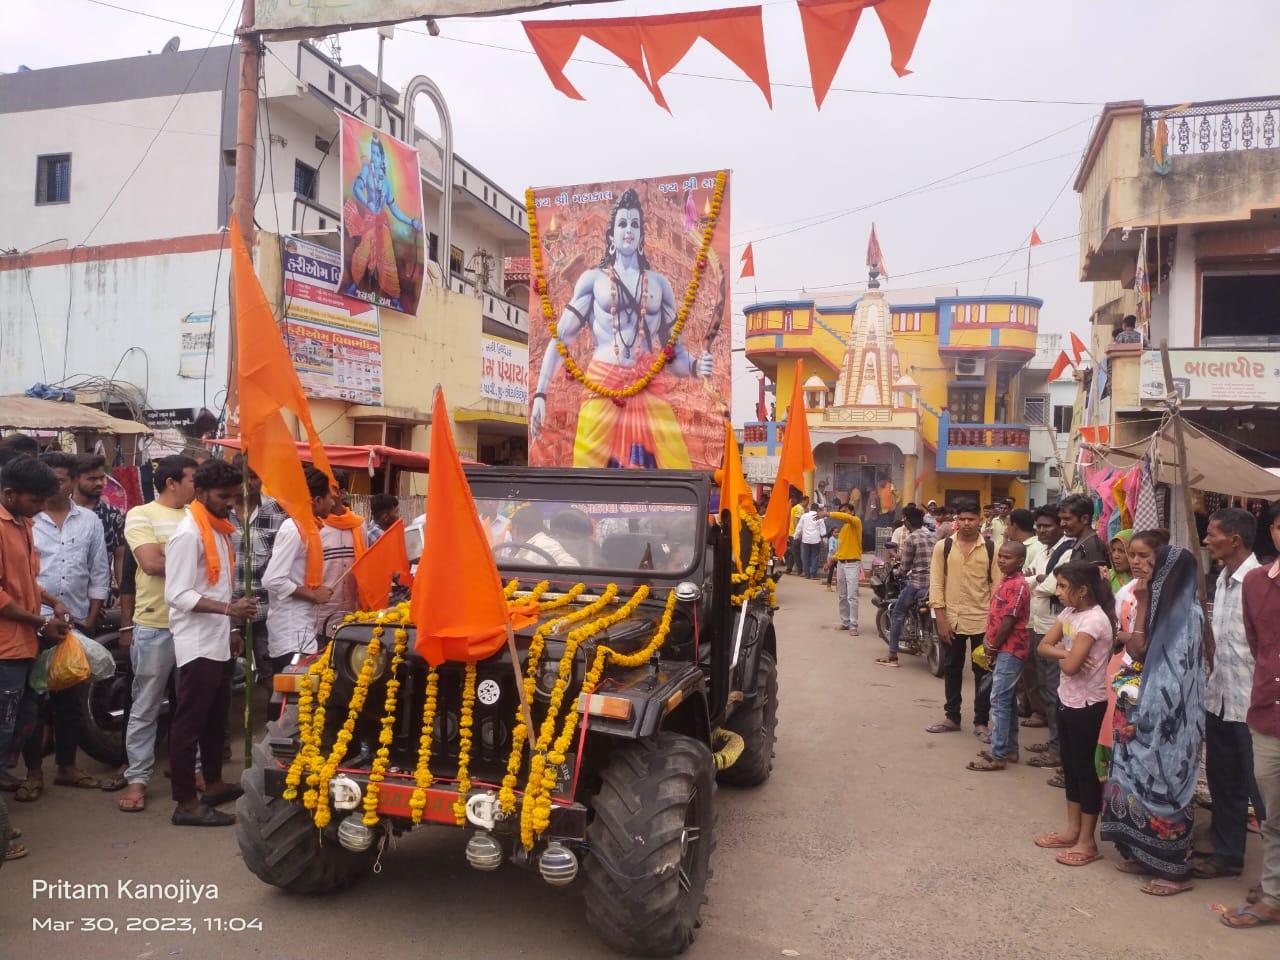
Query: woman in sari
[(1120, 574), (1158, 728)]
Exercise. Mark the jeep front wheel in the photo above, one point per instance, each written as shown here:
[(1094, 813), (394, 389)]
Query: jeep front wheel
[(280, 844), (757, 723), (650, 845)]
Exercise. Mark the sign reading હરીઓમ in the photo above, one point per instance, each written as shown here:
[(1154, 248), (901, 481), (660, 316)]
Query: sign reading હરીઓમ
[(1214, 376)]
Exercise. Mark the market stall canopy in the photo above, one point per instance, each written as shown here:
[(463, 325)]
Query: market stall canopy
[(29, 413), (1210, 465), (365, 457)]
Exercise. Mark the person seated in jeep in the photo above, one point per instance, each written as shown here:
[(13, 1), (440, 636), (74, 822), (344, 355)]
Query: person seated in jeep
[(527, 528)]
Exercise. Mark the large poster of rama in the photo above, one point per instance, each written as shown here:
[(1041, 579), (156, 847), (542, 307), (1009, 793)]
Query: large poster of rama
[(382, 236), (618, 259)]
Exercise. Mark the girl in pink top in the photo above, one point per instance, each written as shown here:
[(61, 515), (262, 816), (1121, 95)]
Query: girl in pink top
[(1081, 640)]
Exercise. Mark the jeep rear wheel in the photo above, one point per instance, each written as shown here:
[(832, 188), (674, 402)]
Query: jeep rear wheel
[(757, 723), (650, 845), (279, 841)]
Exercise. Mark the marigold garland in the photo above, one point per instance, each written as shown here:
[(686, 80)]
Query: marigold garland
[(465, 721), (310, 706), (422, 773), (383, 757), (754, 578), (668, 352)]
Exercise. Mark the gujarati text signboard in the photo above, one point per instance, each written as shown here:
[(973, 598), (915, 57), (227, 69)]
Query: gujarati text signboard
[(1214, 376)]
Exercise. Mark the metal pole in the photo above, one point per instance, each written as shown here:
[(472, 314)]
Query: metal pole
[(242, 199), (417, 85), (377, 111)]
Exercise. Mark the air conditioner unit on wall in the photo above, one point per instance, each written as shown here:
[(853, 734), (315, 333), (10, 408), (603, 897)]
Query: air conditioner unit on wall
[(971, 367)]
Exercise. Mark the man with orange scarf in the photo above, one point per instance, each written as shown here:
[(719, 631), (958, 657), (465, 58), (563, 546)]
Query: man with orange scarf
[(295, 603), (199, 571)]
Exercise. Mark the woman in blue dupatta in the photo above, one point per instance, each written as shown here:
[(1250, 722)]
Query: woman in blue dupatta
[(1158, 730)]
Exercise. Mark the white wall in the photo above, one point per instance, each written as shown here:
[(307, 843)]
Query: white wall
[(115, 304), (174, 192)]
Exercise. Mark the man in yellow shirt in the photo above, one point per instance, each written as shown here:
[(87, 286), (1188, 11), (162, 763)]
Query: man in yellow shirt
[(793, 535), (848, 561), (961, 577)]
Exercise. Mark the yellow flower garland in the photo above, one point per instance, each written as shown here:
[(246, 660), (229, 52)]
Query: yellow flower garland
[(682, 314), (754, 578), (422, 773), (536, 807), (383, 757), (310, 706), (465, 722)]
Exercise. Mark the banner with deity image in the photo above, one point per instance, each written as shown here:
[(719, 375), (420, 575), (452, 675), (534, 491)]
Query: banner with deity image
[(383, 259), (618, 258)]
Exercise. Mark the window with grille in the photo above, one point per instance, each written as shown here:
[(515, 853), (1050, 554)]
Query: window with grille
[(53, 178), (966, 404), (304, 180), (1035, 410)]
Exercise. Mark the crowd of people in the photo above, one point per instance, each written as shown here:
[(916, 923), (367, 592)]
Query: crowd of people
[(169, 571), (1138, 683)]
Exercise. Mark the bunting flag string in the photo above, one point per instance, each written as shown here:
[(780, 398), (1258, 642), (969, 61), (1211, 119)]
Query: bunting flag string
[(829, 26)]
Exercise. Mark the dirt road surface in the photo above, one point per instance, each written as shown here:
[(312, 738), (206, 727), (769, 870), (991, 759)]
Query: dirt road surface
[(870, 841)]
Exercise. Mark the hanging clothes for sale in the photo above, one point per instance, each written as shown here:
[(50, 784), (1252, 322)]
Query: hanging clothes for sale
[(1146, 512), (129, 478)]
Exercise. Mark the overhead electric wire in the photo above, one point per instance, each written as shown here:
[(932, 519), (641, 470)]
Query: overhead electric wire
[(1036, 226)]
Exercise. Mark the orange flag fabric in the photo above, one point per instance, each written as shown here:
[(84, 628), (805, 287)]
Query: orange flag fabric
[(268, 384), (875, 258), (1035, 237), (902, 21), (373, 569), (797, 457), (1078, 347), (457, 604), (735, 495), (1059, 366), (748, 264), (555, 40), (828, 27)]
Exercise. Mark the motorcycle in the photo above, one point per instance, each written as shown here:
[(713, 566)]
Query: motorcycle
[(919, 636)]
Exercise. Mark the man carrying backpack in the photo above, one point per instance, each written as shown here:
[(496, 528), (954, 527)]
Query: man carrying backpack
[(961, 577)]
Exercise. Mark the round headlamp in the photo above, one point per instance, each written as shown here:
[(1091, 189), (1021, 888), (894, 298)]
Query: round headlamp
[(358, 653)]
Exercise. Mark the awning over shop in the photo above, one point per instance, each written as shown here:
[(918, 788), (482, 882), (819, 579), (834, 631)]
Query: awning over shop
[(369, 457), (1210, 465), (30, 413)]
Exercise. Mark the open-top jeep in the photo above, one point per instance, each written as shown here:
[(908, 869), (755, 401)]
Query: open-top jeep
[(639, 599)]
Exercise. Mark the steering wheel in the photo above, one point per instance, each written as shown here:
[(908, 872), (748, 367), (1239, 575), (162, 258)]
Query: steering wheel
[(516, 546)]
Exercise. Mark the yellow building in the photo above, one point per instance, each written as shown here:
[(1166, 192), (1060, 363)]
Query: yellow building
[(923, 396)]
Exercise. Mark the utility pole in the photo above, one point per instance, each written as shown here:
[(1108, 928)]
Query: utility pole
[(242, 199)]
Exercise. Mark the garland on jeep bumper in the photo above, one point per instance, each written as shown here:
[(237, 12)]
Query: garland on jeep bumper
[(754, 578)]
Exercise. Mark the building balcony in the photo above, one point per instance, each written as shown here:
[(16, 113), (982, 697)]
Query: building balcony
[(791, 328), (510, 317), (1219, 167), (991, 327), (1000, 448)]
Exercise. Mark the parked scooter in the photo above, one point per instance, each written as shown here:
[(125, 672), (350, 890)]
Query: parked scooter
[(919, 636)]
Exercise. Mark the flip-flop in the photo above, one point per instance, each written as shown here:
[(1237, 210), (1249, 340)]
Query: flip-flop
[(15, 851), (1210, 869), (132, 804), (82, 782), (1053, 841), (117, 782), (1160, 887), (986, 755), (887, 661), (1070, 858), (986, 766), (29, 791), (1033, 723), (945, 726), (1232, 918)]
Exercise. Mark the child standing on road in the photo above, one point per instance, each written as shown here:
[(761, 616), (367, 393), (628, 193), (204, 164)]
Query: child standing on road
[(1006, 645), (1081, 640)]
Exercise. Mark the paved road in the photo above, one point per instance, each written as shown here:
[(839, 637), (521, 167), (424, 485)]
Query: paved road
[(870, 841)]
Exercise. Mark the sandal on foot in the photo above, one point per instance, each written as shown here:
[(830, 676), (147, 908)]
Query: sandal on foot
[(1057, 780), (887, 661), (1038, 748), (1160, 887), (1075, 858), (1034, 722), (1009, 758), (986, 765), (1054, 841), (1243, 918), (131, 804), (15, 851), (204, 817), (1045, 759), (944, 726), (982, 731), (81, 782), (112, 784), (1211, 869), (29, 791)]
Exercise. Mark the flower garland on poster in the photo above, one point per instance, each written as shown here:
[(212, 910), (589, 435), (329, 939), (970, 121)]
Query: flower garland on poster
[(619, 395)]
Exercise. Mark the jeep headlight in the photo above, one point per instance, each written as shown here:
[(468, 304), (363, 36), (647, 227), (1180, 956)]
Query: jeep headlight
[(358, 653)]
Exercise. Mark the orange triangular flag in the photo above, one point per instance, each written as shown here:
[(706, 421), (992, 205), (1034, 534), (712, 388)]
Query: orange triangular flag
[(735, 495), (902, 21), (374, 568), (555, 40), (1035, 237), (797, 457), (875, 258), (748, 264), (1078, 347), (1059, 365), (737, 32), (828, 27), (458, 604), (269, 384)]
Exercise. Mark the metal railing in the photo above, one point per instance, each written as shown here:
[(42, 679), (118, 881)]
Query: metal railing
[(988, 435), (1216, 126)]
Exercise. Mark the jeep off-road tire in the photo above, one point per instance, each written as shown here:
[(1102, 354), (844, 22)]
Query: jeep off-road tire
[(757, 723), (280, 844), (650, 845)]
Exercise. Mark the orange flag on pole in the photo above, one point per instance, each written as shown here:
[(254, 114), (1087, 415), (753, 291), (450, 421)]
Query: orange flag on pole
[(748, 264), (385, 556), (1078, 347), (735, 495), (1059, 366), (1035, 238), (268, 385), (458, 603), (797, 457)]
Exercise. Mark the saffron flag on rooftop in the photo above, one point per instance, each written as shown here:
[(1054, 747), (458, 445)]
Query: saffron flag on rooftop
[(1077, 347), (748, 264), (268, 384)]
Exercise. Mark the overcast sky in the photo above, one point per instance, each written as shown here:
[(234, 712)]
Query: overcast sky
[(793, 164)]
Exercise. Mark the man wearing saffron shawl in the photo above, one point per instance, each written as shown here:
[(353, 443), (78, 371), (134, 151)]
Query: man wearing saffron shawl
[(367, 217), (630, 309)]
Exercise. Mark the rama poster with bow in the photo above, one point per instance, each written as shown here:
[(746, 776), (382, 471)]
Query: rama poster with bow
[(382, 233), (629, 352)]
